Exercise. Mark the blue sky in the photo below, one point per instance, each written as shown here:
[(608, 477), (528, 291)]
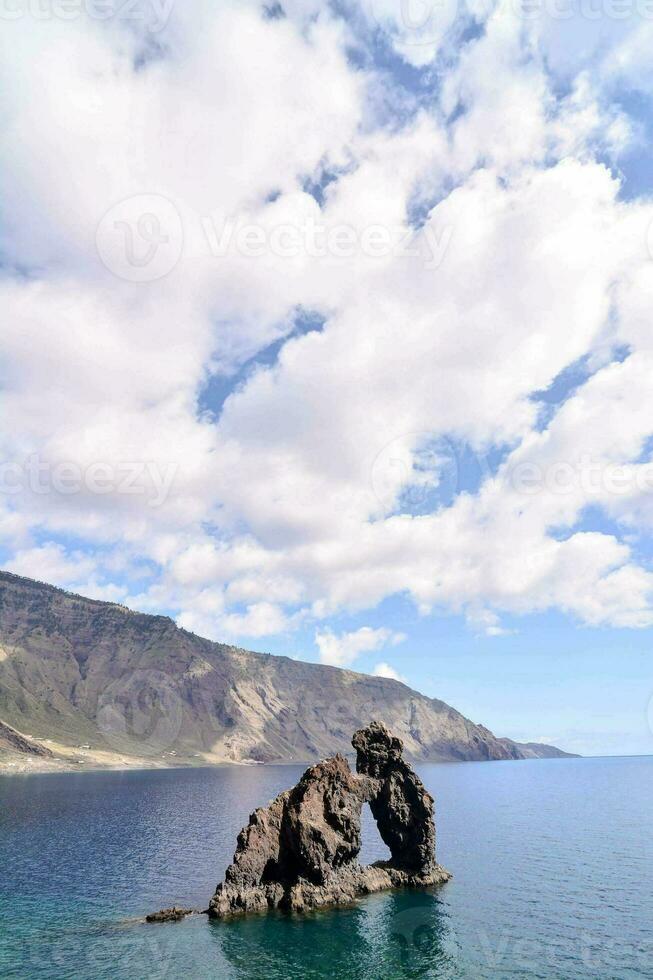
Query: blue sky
[(327, 334)]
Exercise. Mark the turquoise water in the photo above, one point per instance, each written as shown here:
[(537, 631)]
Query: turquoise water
[(553, 862)]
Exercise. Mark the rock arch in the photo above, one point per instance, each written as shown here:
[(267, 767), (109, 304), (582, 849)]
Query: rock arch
[(302, 850)]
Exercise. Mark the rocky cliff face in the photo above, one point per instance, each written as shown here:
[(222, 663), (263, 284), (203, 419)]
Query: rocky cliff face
[(302, 850), (13, 742), (124, 685)]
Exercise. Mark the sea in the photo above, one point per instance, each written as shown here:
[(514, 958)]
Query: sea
[(552, 863)]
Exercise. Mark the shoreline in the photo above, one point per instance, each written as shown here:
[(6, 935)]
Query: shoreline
[(15, 766), (32, 755), (44, 767)]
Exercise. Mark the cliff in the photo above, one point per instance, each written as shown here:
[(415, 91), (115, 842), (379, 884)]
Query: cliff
[(104, 685)]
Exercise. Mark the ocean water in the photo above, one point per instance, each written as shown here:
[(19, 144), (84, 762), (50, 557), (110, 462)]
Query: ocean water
[(553, 865)]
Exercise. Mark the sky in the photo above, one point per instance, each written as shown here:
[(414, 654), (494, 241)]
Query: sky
[(326, 333)]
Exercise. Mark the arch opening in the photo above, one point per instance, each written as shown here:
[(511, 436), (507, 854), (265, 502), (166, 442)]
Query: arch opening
[(372, 847)]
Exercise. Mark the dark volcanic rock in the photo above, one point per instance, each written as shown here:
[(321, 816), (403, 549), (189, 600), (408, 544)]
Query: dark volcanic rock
[(302, 850), (402, 807), (169, 915), (322, 820)]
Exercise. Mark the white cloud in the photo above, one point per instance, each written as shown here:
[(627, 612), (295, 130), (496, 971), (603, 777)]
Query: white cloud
[(204, 614), (486, 623), (260, 619), (343, 649), (49, 563), (296, 503), (73, 570), (385, 670)]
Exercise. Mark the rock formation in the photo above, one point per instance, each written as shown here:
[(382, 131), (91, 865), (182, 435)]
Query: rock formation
[(169, 915), (401, 806), (302, 850)]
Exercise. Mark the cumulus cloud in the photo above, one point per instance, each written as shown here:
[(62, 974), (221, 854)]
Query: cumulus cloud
[(343, 649), (459, 257), (50, 563), (385, 670)]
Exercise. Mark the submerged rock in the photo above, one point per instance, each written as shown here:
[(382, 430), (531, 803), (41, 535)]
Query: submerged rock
[(302, 850)]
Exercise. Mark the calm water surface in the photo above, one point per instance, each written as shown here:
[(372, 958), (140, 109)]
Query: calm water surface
[(553, 865)]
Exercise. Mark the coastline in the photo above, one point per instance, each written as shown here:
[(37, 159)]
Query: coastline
[(43, 767), (24, 754), (15, 766), (69, 759)]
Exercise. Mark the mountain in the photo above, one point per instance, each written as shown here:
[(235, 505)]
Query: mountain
[(100, 684), (539, 750)]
